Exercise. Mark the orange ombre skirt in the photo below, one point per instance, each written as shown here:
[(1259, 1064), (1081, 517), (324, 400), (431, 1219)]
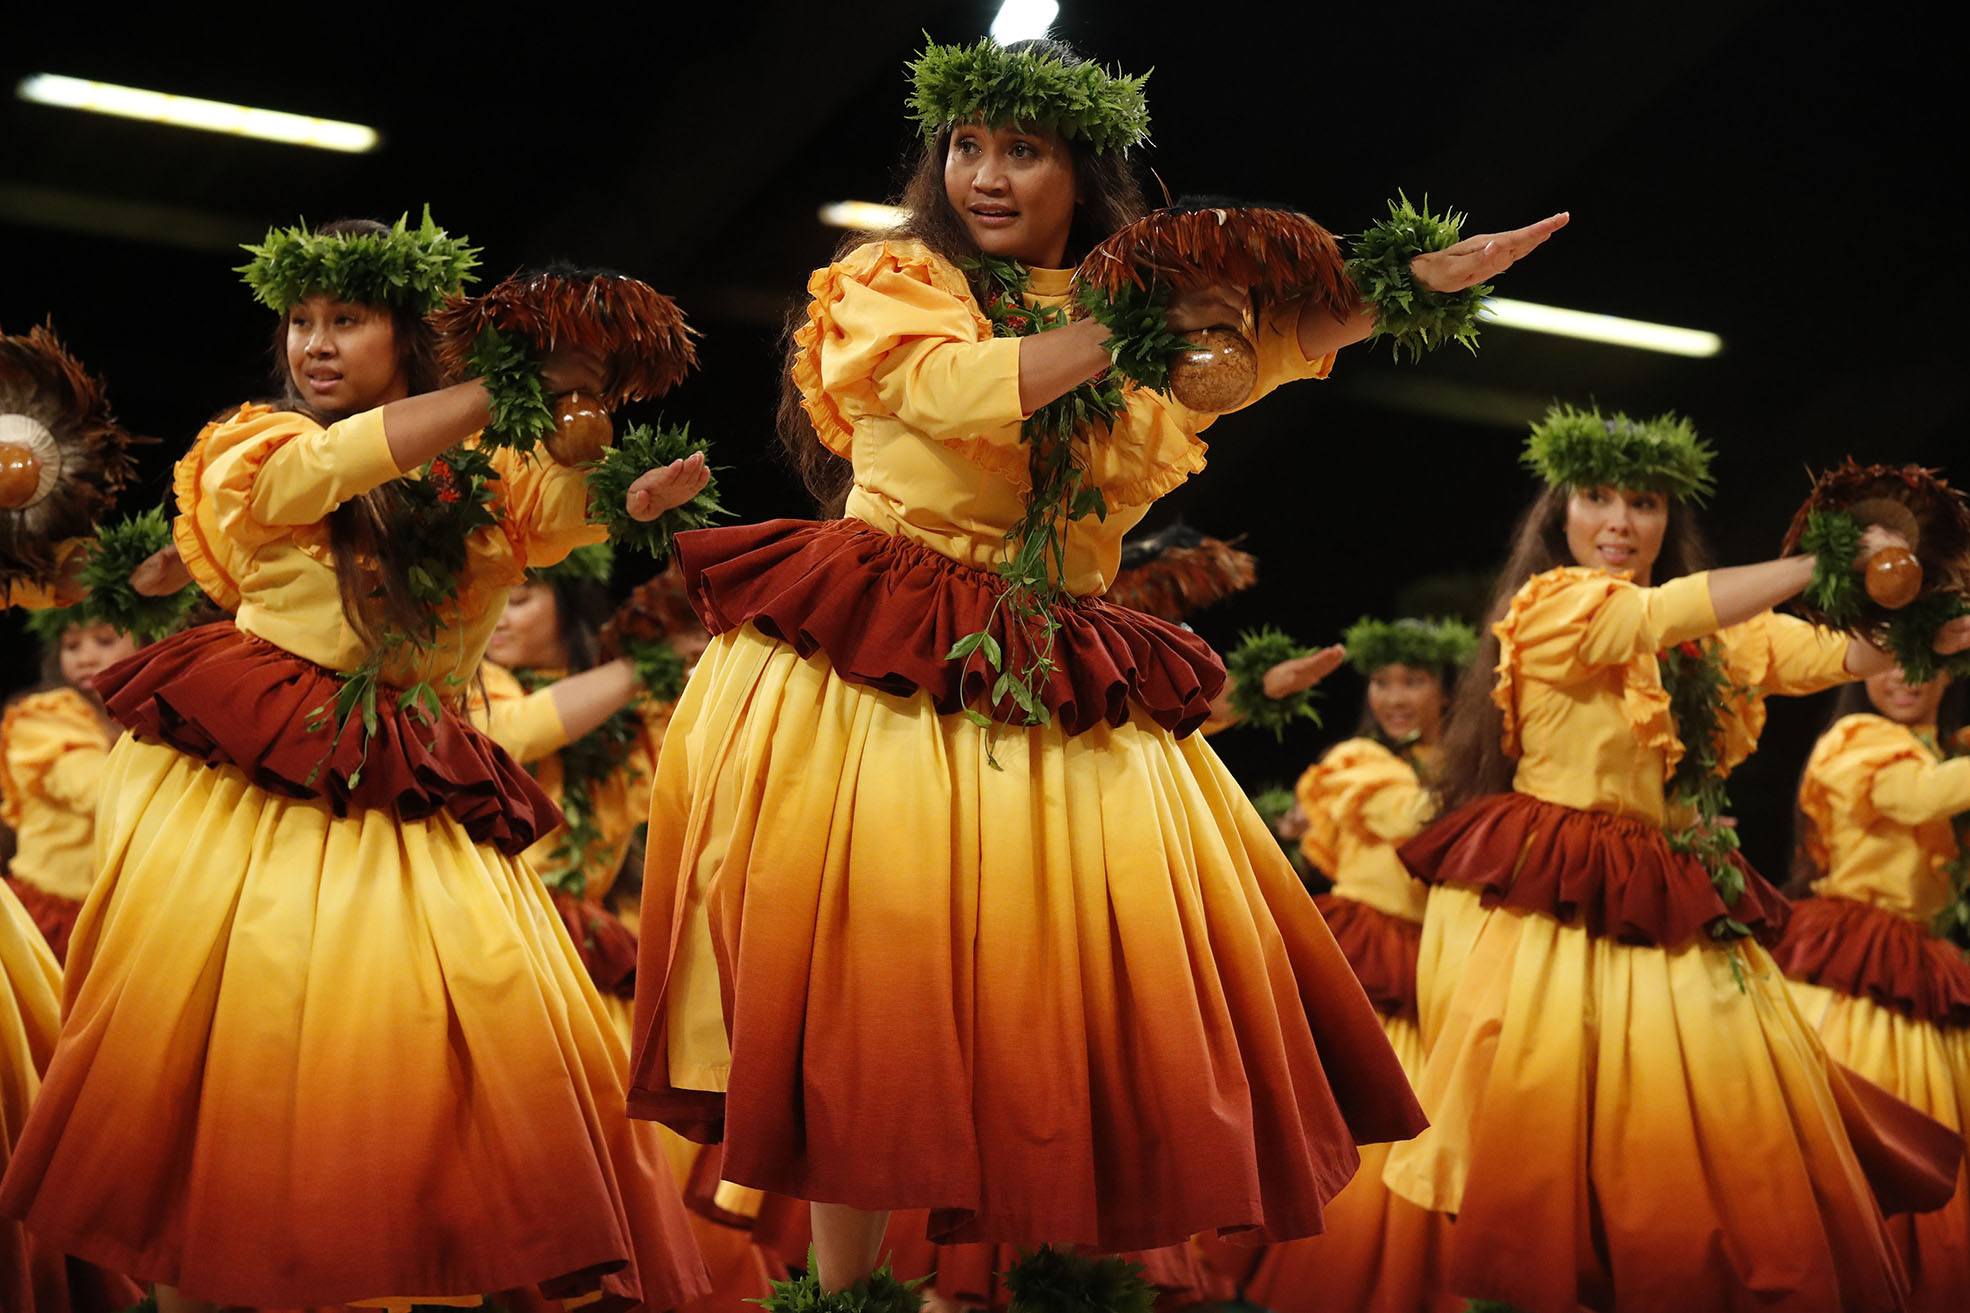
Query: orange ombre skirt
[(1048, 986)]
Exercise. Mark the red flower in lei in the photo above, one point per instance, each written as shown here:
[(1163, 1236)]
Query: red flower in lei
[(444, 481)]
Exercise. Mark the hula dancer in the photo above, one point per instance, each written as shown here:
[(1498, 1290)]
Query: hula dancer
[(325, 1039), (1627, 1110), (947, 905)]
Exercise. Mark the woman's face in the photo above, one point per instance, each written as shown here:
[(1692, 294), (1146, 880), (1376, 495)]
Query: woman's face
[(1406, 702), (1014, 189), (88, 650), (343, 355), (1903, 702), (1616, 529), (528, 635)]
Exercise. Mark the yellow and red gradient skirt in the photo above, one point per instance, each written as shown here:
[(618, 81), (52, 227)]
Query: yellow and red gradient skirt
[(1380, 1253), (1047, 986), (1622, 1124), (1889, 1001), (310, 1058)]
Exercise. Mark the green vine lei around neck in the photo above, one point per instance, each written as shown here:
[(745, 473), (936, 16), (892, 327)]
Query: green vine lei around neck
[(1032, 575), (1699, 685)]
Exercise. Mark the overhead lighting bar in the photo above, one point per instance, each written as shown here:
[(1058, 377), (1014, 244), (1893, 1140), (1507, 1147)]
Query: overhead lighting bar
[(1611, 329), (866, 216), (1021, 20), (191, 112)]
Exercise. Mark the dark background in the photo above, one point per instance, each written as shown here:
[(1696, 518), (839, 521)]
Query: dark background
[(1778, 174)]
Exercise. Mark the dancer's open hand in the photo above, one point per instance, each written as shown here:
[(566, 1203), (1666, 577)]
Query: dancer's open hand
[(1481, 258), (160, 574), (667, 487), (1298, 674)]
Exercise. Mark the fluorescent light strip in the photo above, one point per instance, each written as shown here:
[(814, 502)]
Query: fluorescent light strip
[(1019, 20), (1612, 329), (864, 215), (191, 112)]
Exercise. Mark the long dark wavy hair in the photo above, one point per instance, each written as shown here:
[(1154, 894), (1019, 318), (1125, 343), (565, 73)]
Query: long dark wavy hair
[(1474, 760), (1852, 700), (1109, 196), (371, 554)]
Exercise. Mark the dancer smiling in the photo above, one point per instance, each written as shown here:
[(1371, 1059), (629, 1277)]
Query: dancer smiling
[(1627, 1110)]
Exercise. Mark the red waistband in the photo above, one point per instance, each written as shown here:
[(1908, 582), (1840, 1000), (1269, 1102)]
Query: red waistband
[(1614, 875), (227, 697), (885, 610)]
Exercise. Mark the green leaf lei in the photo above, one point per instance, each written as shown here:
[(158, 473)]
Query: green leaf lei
[(1694, 676), (441, 508), (1032, 573), (1911, 635), (639, 449), (879, 1292), (1258, 651), (1834, 540), (108, 597), (1414, 318)]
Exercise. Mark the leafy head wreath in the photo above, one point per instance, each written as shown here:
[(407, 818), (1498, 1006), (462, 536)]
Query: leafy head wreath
[(988, 83), (1576, 448)]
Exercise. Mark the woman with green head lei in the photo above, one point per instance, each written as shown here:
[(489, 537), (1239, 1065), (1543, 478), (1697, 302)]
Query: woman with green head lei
[(325, 1039), (1626, 1109), (1363, 798), (947, 905)]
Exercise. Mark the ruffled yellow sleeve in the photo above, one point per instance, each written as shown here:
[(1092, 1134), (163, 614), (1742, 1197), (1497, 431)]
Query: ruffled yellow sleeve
[(527, 725), (31, 596), (1571, 624), (1773, 654), (263, 475), (892, 329), (1359, 792), (543, 507), (52, 747), (1867, 768)]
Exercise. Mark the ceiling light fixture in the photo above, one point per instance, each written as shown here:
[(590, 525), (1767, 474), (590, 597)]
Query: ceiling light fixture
[(1611, 329), (1022, 20), (867, 216), (191, 112)]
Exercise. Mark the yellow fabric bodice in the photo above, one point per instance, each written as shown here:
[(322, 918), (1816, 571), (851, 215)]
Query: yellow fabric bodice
[(1879, 798), (899, 371), (52, 746), (528, 727), (254, 494), (1581, 692), (1361, 801)]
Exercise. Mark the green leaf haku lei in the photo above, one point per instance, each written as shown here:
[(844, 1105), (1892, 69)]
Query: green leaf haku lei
[(1699, 686), (987, 83), (1582, 448), (1031, 575), (1434, 644), (419, 268)]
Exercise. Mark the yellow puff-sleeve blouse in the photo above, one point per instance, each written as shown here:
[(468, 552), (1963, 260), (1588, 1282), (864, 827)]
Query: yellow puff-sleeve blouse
[(52, 746), (899, 371), (1581, 693), (254, 496), (1361, 801), (1879, 798)]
